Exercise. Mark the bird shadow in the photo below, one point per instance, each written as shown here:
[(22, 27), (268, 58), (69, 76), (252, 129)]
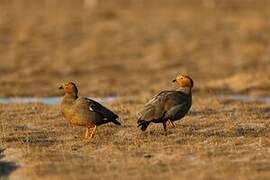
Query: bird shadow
[(6, 167)]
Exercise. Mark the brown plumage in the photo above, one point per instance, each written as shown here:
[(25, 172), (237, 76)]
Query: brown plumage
[(168, 106), (83, 111)]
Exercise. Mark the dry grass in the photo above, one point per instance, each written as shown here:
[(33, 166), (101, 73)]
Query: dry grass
[(224, 141), (133, 49), (116, 45)]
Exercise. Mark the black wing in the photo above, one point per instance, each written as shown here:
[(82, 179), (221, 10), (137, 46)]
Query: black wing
[(100, 109)]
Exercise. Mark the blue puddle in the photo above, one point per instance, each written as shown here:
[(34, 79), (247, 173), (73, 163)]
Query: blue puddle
[(52, 100), (245, 98)]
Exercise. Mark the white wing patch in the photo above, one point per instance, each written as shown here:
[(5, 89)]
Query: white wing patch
[(90, 108)]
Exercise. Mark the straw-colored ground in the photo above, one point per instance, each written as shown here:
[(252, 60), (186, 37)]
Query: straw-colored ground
[(133, 49)]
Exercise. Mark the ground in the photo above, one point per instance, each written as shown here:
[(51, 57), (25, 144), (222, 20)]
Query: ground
[(132, 50)]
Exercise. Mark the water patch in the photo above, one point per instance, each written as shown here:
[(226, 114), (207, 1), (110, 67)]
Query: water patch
[(245, 98), (52, 100)]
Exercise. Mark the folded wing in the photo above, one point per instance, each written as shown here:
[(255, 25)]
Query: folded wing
[(154, 108), (101, 110)]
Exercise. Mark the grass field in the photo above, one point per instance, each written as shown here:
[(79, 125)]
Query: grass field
[(132, 50)]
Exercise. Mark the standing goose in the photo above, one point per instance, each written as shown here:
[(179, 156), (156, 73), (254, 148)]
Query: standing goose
[(168, 106), (83, 111)]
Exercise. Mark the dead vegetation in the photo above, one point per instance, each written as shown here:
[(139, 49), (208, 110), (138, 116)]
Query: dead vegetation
[(116, 45), (224, 141), (133, 49)]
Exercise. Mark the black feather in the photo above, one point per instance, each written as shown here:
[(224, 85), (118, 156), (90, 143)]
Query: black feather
[(103, 111), (143, 124)]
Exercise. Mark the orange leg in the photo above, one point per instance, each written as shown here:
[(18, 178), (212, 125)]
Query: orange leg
[(86, 136), (90, 132), (171, 123), (165, 127), (93, 133)]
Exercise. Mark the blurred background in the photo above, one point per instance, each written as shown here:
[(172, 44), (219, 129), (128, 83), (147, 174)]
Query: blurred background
[(129, 47), (133, 49)]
